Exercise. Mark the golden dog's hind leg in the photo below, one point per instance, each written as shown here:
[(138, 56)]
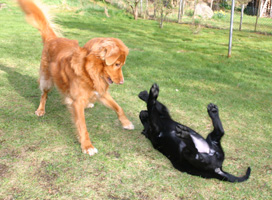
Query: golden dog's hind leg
[(79, 120), (108, 101), (41, 109), (46, 84)]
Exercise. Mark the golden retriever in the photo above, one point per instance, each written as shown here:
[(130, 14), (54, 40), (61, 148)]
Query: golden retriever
[(81, 74)]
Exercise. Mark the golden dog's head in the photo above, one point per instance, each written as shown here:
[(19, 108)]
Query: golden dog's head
[(108, 55)]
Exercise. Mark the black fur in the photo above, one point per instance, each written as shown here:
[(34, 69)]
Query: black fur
[(180, 143)]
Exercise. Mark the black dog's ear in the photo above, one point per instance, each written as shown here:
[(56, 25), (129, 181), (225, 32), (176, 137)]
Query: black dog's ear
[(143, 95)]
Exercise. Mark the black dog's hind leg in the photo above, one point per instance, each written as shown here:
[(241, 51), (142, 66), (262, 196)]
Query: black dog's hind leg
[(214, 140), (218, 131)]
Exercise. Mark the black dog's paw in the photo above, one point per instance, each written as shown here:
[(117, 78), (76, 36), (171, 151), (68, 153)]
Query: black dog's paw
[(182, 131), (143, 95), (212, 110), (154, 91)]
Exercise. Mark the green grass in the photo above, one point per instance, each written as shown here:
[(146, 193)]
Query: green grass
[(40, 158)]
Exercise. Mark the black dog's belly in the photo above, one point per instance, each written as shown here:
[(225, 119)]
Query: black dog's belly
[(170, 144)]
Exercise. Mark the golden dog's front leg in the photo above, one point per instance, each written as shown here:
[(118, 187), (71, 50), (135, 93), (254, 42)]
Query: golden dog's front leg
[(108, 101), (79, 120)]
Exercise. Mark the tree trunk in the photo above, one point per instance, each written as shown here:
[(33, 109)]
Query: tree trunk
[(141, 7), (211, 4), (135, 12), (106, 12), (155, 9), (146, 10), (241, 18), (179, 12), (161, 23), (195, 7), (271, 9), (258, 14), (263, 8), (182, 8)]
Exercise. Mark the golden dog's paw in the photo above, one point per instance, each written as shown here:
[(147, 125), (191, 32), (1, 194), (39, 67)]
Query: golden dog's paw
[(129, 126), (39, 113), (90, 105), (91, 151)]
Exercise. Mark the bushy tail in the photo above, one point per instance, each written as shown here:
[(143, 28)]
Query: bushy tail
[(228, 177), (37, 18)]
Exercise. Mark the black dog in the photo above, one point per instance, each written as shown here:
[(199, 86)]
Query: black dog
[(187, 150)]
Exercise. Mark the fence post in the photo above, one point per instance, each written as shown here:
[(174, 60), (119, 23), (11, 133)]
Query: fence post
[(231, 27)]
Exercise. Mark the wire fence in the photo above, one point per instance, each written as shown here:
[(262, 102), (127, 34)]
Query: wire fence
[(250, 15)]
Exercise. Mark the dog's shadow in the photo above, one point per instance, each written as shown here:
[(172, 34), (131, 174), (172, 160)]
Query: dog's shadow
[(24, 85), (27, 87)]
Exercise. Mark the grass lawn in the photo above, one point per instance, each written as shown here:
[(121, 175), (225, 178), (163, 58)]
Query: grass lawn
[(40, 157)]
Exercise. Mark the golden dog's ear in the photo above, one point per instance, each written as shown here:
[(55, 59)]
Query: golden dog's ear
[(110, 54)]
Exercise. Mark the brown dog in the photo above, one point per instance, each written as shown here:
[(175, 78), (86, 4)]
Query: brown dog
[(82, 75)]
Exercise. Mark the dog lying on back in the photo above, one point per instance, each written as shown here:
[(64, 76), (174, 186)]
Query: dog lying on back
[(187, 150)]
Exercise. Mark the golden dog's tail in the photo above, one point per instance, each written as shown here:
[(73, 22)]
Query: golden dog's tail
[(39, 19)]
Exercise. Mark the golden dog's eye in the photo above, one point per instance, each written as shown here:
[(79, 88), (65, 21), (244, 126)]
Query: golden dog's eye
[(117, 64)]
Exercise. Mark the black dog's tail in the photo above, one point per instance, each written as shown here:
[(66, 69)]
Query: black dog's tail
[(144, 95), (228, 177)]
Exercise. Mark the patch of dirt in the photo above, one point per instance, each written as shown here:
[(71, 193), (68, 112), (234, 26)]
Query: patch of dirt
[(3, 170), (9, 197), (1, 132), (112, 196), (10, 152), (31, 148), (114, 154), (47, 176), (2, 141), (142, 195)]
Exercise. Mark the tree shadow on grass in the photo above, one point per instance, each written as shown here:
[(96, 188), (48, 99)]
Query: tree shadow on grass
[(97, 29)]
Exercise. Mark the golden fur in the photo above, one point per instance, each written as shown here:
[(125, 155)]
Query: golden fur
[(81, 74)]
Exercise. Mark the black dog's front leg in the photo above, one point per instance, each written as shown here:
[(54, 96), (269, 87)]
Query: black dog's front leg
[(151, 108)]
